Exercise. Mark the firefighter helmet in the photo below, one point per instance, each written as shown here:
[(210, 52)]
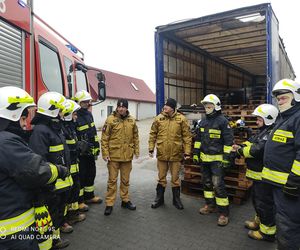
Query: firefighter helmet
[(267, 112), (51, 103), (13, 101), (82, 95), (240, 123), (287, 85), (211, 98), (70, 108)]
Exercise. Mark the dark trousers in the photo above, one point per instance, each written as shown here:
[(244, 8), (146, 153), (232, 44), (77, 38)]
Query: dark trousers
[(263, 202), (87, 174), (287, 220), (213, 181), (75, 189)]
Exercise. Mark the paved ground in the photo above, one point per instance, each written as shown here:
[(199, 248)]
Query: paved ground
[(162, 228)]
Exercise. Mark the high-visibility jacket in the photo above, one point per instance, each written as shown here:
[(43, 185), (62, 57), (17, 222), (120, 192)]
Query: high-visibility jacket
[(21, 173), (86, 130), (120, 138), (214, 139), (48, 140), (171, 135), (253, 151), (282, 150)]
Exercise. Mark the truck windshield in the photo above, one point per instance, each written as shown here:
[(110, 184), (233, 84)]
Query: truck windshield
[(81, 81)]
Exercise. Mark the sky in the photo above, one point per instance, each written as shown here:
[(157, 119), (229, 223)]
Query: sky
[(118, 35)]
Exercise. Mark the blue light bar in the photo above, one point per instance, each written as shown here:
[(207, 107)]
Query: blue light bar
[(72, 48), (22, 3)]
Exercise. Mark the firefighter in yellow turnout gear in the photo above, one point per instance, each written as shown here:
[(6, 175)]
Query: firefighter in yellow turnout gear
[(211, 150), (170, 134), (119, 143)]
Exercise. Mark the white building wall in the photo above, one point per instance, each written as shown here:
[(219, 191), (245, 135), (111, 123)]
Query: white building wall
[(139, 110)]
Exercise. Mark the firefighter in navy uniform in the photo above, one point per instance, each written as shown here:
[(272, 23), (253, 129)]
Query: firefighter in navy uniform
[(86, 132), (47, 140), (170, 134), (212, 149), (21, 172), (282, 164), (119, 143), (69, 129), (262, 197)]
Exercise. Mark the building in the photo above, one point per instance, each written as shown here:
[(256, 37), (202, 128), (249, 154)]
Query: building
[(140, 97)]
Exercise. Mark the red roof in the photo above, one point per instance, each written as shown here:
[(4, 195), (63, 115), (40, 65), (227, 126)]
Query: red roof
[(121, 86)]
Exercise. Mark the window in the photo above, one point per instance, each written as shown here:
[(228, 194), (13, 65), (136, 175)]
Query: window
[(68, 64), (109, 110), (50, 67), (134, 86), (81, 81)]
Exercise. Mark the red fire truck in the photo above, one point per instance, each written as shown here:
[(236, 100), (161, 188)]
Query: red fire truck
[(37, 58)]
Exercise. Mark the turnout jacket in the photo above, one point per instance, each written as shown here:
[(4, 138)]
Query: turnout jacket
[(86, 130), (282, 150), (120, 138), (48, 140), (253, 151), (214, 138), (21, 173), (171, 136)]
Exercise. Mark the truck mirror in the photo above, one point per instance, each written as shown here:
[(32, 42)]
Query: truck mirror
[(69, 85), (81, 67)]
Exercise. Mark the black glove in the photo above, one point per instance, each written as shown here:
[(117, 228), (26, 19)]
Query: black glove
[(83, 146), (291, 191), (63, 172)]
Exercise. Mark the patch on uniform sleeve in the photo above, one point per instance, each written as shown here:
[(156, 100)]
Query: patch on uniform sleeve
[(104, 128), (130, 120), (177, 119)]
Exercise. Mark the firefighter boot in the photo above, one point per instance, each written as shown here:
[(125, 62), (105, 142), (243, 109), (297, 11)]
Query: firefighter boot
[(82, 207), (253, 225), (258, 235), (128, 205), (176, 198), (75, 216), (66, 228), (60, 243), (223, 220), (94, 200), (207, 209), (159, 199)]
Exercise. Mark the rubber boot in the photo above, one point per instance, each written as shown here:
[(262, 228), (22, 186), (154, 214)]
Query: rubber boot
[(176, 198), (159, 199)]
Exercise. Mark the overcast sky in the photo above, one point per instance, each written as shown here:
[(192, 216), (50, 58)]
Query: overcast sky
[(118, 35)]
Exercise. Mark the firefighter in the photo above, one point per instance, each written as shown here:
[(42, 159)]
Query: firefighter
[(262, 197), (86, 132), (119, 143), (212, 149), (22, 172), (282, 164), (69, 128), (47, 140), (170, 134)]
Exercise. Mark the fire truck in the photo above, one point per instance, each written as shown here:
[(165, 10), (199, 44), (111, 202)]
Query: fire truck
[(37, 58)]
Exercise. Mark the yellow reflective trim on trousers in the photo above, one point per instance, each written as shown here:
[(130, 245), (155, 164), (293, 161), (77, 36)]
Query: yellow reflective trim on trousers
[(95, 151), (222, 201), (254, 175), (74, 168), (89, 189), (84, 127), (246, 151), (54, 173), (70, 142), (56, 148), (284, 133), (60, 184), (17, 224), (96, 138), (274, 176), (196, 158), (227, 149), (209, 194), (73, 206), (296, 168), (202, 129), (81, 192), (46, 245), (197, 144), (214, 131), (210, 158), (267, 230)]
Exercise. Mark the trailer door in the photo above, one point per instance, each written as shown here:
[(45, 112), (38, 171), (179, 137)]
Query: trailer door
[(11, 56)]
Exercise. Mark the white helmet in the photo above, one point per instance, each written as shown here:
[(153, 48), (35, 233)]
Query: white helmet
[(13, 101), (268, 112), (70, 108), (240, 123), (82, 95), (51, 103), (285, 85), (211, 98)]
